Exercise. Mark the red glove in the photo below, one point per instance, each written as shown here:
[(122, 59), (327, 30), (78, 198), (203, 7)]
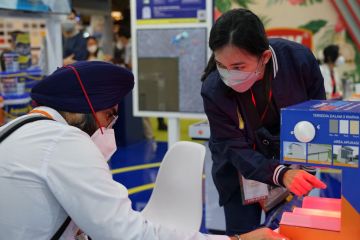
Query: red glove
[(301, 182)]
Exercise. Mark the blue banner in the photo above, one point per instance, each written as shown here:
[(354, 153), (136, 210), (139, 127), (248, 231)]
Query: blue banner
[(171, 11)]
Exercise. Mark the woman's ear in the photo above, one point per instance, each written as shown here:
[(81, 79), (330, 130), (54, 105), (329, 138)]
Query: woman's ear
[(267, 55), (111, 113)]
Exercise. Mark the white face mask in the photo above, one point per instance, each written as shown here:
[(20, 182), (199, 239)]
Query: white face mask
[(119, 45), (340, 61), (68, 25), (105, 141), (92, 48), (240, 81)]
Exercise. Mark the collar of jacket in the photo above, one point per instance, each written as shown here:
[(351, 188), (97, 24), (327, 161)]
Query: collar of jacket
[(45, 111), (275, 62)]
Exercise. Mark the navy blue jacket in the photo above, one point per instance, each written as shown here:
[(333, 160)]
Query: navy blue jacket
[(297, 78), (75, 45)]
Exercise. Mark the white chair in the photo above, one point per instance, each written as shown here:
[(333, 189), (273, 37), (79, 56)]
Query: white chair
[(176, 200)]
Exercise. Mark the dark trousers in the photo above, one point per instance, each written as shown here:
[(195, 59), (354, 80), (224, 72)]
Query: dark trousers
[(241, 218)]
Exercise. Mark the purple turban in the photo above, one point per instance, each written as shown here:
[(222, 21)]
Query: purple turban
[(105, 83)]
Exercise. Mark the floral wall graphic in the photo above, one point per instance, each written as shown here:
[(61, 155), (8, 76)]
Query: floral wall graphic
[(317, 17)]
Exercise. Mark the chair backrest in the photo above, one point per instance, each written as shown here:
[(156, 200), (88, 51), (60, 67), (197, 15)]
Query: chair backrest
[(176, 200)]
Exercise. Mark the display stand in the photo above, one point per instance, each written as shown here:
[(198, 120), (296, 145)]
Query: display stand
[(35, 38), (324, 134), (169, 49), (173, 131)]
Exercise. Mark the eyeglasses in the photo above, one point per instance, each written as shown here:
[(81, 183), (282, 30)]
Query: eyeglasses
[(112, 123)]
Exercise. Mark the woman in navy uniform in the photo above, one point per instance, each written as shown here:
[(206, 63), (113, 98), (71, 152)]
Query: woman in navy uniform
[(247, 81)]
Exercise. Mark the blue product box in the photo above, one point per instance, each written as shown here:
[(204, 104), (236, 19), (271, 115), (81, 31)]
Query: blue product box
[(322, 133)]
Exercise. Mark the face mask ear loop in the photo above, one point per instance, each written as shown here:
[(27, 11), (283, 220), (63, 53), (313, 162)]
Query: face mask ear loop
[(261, 62), (86, 95)]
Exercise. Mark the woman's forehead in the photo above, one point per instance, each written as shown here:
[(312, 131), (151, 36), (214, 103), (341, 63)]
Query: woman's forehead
[(230, 54)]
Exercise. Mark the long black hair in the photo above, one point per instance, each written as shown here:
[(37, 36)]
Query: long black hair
[(238, 27), (331, 53)]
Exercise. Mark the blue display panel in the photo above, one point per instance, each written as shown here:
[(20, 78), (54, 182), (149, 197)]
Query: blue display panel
[(52, 6), (171, 9), (336, 141)]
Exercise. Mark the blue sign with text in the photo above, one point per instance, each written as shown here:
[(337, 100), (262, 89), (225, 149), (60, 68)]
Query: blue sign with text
[(324, 134), (171, 9)]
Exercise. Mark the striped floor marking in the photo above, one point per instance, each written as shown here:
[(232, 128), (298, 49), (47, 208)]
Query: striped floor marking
[(141, 188), (136, 167)]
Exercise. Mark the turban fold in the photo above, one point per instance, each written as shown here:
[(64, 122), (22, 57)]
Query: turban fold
[(105, 83)]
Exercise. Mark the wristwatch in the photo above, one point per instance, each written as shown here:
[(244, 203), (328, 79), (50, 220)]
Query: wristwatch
[(237, 236)]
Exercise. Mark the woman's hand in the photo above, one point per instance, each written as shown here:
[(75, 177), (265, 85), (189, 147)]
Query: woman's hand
[(301, 182), (261, 234)]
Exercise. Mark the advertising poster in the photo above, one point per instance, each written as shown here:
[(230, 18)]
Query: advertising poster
[(170, 11)]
